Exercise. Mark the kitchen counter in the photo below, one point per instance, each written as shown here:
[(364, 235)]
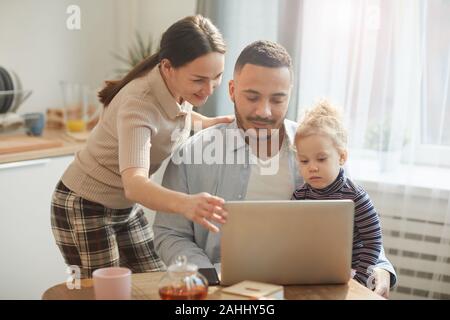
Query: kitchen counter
[(70, 146)]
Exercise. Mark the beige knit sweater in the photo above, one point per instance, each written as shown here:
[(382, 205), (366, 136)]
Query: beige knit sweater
[(139, 129)]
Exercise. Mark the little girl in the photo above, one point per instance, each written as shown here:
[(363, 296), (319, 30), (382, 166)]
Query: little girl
[(320, 142)]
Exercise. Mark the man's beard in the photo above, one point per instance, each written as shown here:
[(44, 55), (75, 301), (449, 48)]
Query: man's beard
[(240, 124)]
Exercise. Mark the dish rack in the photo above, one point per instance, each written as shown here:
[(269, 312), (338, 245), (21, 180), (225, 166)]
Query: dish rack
[(9, 119), (18, 96)]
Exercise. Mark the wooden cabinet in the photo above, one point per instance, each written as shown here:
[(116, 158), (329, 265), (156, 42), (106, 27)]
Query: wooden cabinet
[(30, 260)]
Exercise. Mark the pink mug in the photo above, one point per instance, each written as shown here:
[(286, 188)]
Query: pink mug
[(112, 283)]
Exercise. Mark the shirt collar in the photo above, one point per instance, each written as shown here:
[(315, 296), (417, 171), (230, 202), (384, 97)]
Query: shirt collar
[(337, 185), (163, 96)]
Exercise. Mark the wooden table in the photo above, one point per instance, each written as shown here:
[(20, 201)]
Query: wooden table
[(145, 287)]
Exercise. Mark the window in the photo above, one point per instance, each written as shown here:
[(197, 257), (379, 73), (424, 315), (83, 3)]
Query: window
[(436, 85)]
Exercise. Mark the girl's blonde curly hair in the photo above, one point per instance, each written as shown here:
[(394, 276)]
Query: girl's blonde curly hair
[(323, 118)]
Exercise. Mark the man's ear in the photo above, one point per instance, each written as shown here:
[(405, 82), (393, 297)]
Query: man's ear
[(231, 89), (343, 157)]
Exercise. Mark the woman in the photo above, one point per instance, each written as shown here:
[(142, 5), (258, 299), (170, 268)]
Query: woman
[(95, 219)]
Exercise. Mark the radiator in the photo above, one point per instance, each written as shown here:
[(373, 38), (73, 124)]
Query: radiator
[(416, 236)]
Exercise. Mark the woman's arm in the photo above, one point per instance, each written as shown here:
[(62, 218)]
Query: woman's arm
[(199, 207), (208, 122)]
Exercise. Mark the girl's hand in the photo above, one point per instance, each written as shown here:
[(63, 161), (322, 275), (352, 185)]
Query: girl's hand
[(203, 208)]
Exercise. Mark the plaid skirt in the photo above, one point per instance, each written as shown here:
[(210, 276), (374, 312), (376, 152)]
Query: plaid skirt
[(92, 236)]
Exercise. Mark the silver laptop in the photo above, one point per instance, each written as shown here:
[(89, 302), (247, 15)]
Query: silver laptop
[(287, 242)]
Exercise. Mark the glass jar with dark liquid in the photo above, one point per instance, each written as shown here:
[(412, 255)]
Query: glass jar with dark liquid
[(183, 282)]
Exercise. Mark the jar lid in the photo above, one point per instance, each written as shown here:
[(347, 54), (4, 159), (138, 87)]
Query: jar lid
[(181, 265)]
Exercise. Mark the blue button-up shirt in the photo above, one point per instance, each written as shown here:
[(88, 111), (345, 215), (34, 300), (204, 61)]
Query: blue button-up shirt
[(189, 171)]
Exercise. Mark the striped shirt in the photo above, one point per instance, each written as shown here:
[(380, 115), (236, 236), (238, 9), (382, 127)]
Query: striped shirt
[(367, 239)]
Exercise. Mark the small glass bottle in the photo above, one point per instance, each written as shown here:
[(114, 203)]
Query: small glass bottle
[(182, 281)]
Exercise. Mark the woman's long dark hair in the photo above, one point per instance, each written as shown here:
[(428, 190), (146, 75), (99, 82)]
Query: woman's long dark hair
[(184, 41)]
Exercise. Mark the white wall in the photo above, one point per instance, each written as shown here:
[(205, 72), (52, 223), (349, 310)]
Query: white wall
[(37, 45), (155, 16), (35, 42)]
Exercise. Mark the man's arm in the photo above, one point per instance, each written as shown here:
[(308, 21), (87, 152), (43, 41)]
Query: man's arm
[(367, 224), (385, 264), (174, 235), (385, 275)]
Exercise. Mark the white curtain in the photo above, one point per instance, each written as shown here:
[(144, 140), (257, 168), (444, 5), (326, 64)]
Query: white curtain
[(387, 65)]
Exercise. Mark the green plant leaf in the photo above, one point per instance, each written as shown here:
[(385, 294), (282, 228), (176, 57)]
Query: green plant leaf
[(141, 49), (138, 51), (148, 50), (120, 58)]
